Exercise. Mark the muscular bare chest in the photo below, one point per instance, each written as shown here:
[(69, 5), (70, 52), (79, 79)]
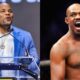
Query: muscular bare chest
[(73, 57)]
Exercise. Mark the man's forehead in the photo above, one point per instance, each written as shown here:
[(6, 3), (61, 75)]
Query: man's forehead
[(5, 5), (73, 8)]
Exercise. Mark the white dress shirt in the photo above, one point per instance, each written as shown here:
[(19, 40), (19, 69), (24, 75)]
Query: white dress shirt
[(6, 50)]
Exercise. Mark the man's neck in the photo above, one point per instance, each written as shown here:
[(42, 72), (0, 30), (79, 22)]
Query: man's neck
[(75, 36), (3, 30)]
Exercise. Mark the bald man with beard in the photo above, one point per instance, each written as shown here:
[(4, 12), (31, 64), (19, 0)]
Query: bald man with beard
[(15, 42), (65, 53)]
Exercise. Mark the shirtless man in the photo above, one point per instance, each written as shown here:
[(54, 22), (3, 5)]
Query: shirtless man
[(65, 54)]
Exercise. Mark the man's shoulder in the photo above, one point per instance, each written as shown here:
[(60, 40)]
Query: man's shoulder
[(61, 44), (60, 47), (20, 31), (62, 40)]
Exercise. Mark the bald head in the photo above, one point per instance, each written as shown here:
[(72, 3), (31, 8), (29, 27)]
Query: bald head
[(6, 14), (72, 8), (5, 3), (73, 18)]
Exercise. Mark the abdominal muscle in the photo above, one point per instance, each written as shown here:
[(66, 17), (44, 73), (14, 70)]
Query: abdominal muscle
[(72, 73), (73, 66), (72, 61)]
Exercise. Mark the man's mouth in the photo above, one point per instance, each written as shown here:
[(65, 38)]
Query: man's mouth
[(8, 18), (77, 23)]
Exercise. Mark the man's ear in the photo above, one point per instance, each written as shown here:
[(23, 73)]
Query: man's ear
[(66, 20)]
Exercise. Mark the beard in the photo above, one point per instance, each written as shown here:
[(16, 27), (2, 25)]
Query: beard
[(5, 26)]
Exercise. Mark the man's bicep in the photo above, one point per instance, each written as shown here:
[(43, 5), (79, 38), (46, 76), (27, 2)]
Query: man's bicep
[(57, 66), (57, 71)]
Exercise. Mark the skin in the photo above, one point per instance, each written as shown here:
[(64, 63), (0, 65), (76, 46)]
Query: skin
[(6, 17), (65, 53)]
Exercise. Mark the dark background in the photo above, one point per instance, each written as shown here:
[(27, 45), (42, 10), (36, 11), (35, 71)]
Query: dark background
[(53, 27)]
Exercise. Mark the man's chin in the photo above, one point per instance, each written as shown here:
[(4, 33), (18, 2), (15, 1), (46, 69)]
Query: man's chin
[(77, 32), (7, 24)]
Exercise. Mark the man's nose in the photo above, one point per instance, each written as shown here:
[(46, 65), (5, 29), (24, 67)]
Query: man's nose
[(78, 16), (7, 13)]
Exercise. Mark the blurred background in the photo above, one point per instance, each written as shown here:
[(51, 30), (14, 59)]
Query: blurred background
[(52, 28)]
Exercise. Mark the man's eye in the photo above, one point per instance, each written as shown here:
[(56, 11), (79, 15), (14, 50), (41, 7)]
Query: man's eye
[(73, 14), (10, 11), (2, 11)]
